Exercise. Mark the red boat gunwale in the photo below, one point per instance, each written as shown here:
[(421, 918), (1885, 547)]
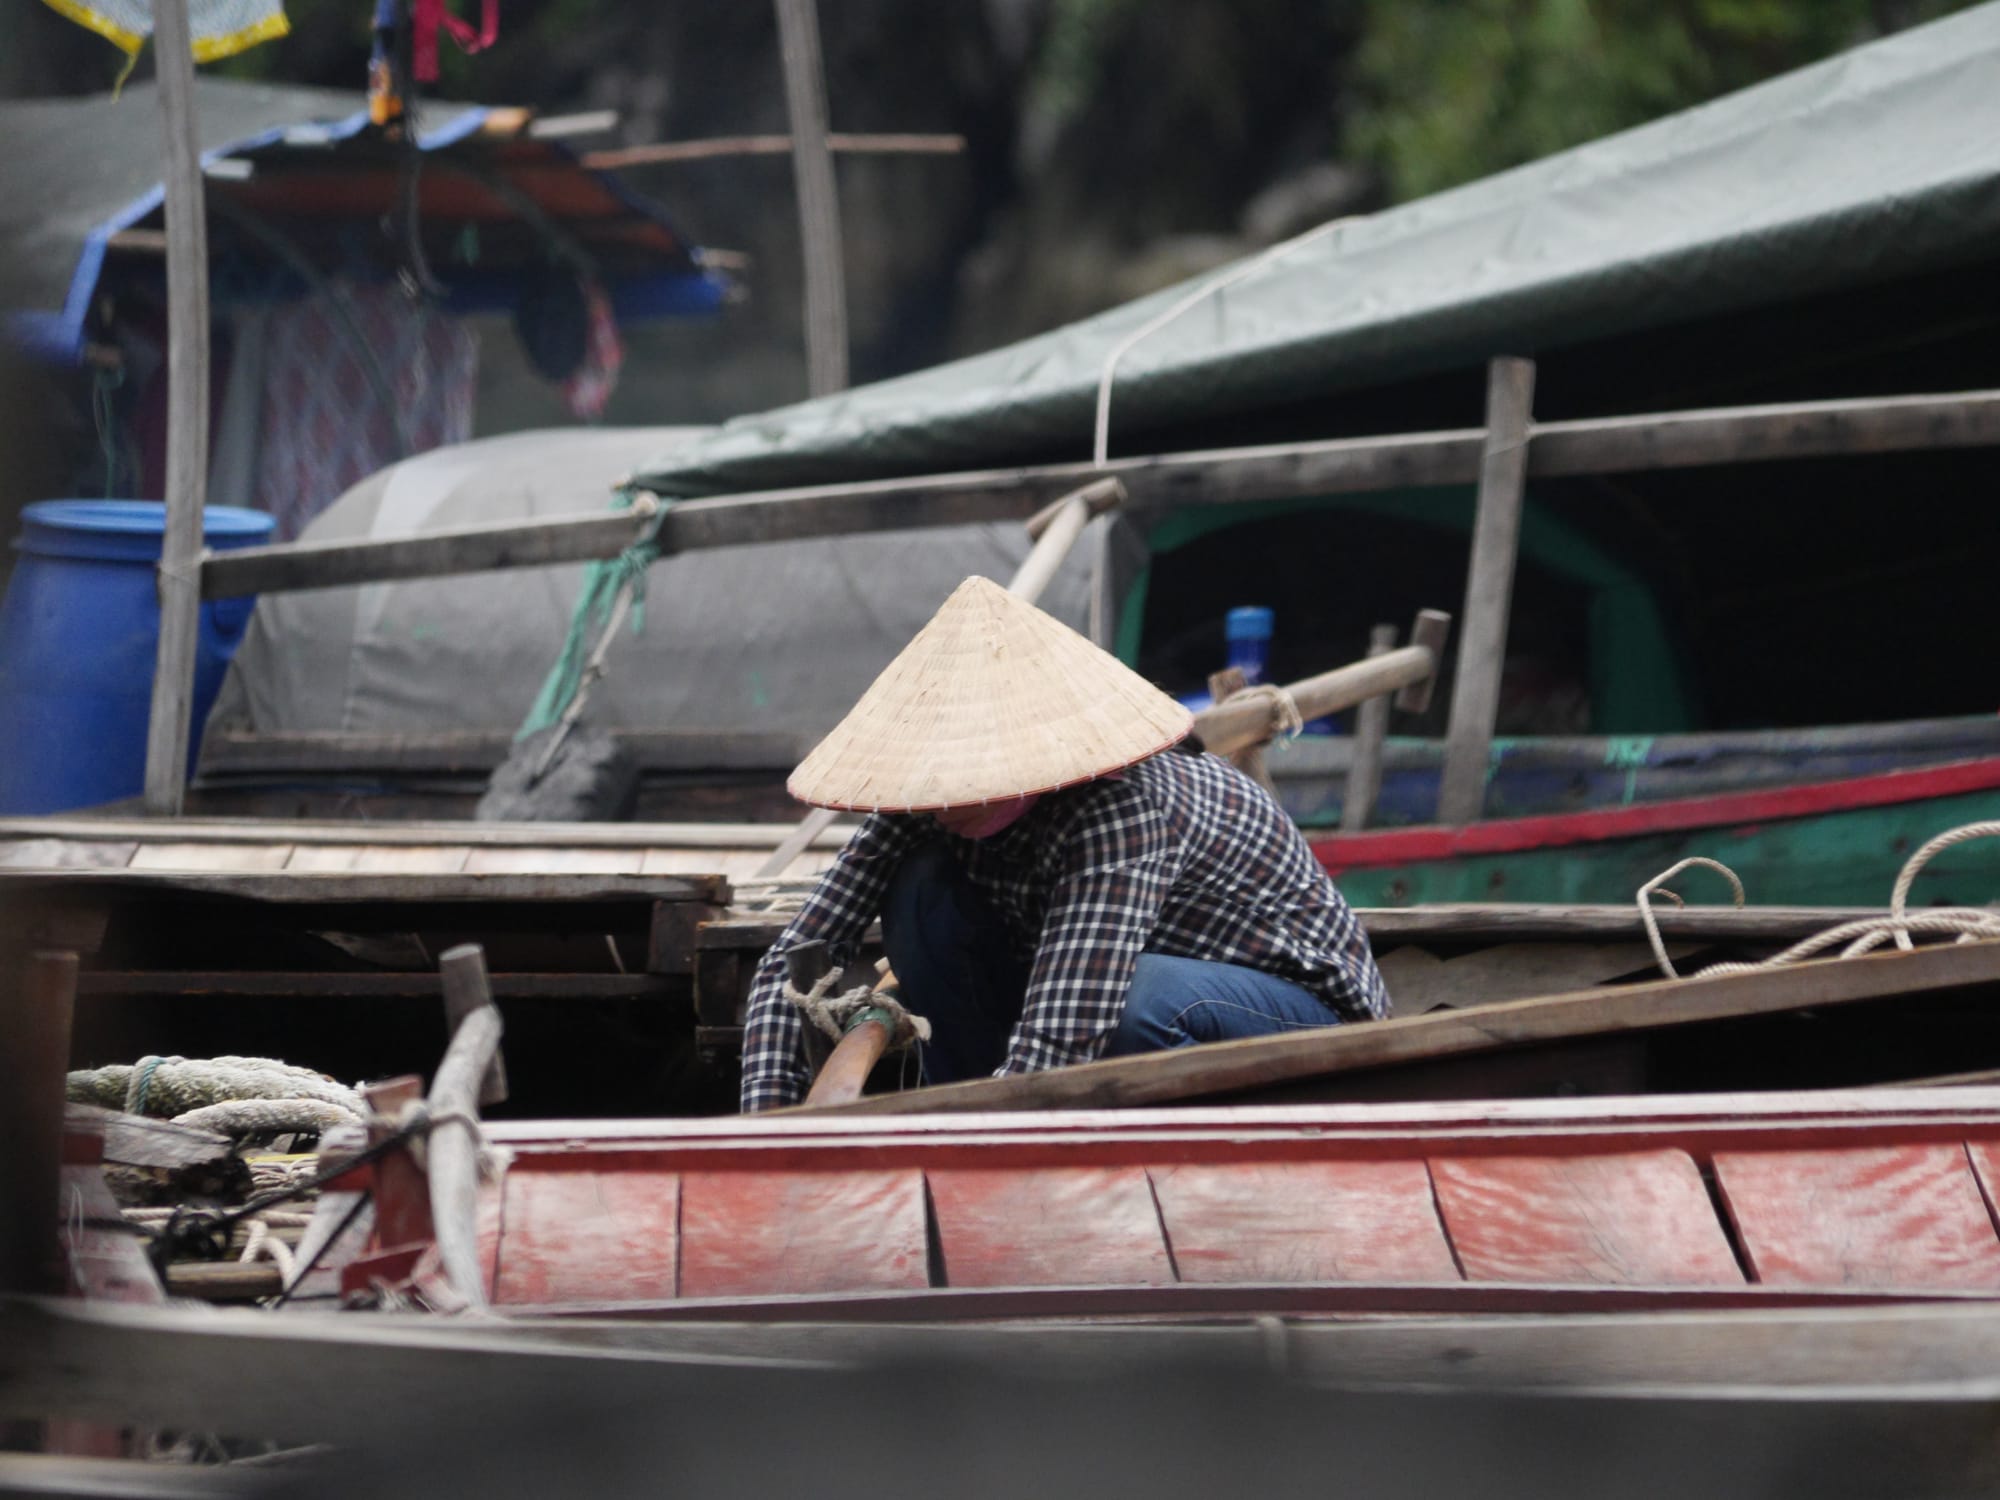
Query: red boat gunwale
[(1404, 846)]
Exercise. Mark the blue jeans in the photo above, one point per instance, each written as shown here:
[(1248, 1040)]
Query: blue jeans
[(958, 967)]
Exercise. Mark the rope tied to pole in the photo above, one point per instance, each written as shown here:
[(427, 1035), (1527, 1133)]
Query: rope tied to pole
[(836, 1015), (611, 588)]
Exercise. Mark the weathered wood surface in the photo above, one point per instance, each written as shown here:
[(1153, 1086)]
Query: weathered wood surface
[(1892, 1216), (1228, 727), (107, 833), (1419, 981), (1489, 588), (1303, 1221), (37, 1012), (231, 983), (589, 1237), (179, 575), (825, 296), (349, 887), (1629, 1219), (1371, 736), (1052, 1226), (1346, 465), (832, 1231), (471, 1074), (1227, 1067)]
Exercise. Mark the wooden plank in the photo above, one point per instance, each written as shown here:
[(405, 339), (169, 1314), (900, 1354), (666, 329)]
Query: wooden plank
[(1630, 1219), (415, 985), (760, 1233), (454, 835), (1223, 1067), (1489, 588), (66, 854), (105, 1255), (1227, 727), (27, 1476), (289, 887), (1906, 1216), (591, 1235), (1279, 471), (227, 753), (1052, 1226), (554, 861), (1303, 1221), (377, 859), (168, 721), (224, 859), (1420, 982)]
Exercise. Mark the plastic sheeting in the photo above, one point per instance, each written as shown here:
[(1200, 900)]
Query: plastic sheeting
[(1881, 162), (775, 639)]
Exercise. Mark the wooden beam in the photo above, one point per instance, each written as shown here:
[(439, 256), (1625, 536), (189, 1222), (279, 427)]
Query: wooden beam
[(1227, 727), (346, 887), (224, 984), (36, 1015), (1489, 587), (168, 725), (844, 143), (1280, 471), (444, 835), (819, 202), (1371, 735), (1234, 1067)]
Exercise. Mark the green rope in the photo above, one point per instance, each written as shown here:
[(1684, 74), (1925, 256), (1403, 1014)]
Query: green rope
[(602, 583)]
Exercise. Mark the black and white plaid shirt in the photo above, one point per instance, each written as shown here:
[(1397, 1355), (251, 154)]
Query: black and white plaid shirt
[(1181, 854)]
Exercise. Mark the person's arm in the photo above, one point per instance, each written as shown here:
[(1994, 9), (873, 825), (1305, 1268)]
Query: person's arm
[(1116, 869), (847, 898)]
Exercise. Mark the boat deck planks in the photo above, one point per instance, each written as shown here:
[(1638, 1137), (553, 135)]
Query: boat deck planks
[(1893, 1216)]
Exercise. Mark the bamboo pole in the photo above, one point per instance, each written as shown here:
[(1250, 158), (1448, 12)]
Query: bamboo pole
[(1596, 445), (672, 152), (470, 1072), (1489, 588), (819, 206), (168, 727)]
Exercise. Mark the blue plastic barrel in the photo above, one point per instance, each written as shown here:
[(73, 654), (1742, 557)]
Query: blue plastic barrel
[(79, 632)]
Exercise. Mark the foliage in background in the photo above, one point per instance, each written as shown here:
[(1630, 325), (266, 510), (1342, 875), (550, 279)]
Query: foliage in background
[(1447, 91)]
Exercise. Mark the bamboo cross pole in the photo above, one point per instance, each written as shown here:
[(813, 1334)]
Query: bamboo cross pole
[(168, 726), (1371, 733)]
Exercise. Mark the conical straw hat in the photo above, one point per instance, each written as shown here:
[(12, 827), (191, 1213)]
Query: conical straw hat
[(992, 699)]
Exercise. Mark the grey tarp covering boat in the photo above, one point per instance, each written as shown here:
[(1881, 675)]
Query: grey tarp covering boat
[(777, 639), (81, 169), (1881, 162)]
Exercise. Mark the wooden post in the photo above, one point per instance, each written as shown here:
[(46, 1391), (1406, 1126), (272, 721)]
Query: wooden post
[(466, 988), (465, 1077), (819, 206), (187, 417), (36, 1011), (1371, 733), (1489, 585)]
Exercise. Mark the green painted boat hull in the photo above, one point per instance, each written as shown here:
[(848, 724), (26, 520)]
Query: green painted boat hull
[(1847, 858)]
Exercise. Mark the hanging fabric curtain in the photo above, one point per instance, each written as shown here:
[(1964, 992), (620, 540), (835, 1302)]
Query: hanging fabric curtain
[(221, 28)]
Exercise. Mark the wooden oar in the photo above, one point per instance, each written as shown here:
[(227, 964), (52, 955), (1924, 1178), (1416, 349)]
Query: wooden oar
[(1054, 529)]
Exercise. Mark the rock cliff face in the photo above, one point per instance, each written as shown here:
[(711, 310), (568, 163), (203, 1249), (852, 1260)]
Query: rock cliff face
[(1110, 151)]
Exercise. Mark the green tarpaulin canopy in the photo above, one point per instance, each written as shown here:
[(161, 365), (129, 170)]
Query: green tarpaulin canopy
[(1879, 163)]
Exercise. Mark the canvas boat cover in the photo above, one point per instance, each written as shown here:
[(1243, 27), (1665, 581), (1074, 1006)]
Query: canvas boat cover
[(1881, 162), (80, 170), (776, 640)]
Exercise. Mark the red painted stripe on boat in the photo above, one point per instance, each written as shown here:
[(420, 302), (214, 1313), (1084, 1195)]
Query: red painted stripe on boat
[(1402, 846)]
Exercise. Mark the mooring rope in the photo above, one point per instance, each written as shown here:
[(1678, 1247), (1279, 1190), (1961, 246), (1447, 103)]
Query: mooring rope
[(1860, 935)]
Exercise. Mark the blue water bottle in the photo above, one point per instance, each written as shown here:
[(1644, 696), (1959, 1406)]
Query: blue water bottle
[(1248, 633)]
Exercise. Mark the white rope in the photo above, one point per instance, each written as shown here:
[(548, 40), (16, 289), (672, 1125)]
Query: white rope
[(1657, 883), (1860, 935), (1291, 723), (1101, 446), (833, 1014)]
